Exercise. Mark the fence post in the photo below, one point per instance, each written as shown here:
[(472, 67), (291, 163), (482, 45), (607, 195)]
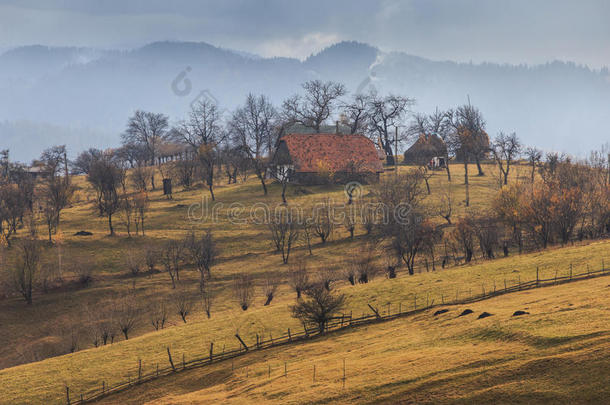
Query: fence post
[(241, 341), (211, 351), (570, 271), (415, 301), (375, 311), (257, 342), (505, 285), (537, 278), (269, 371), (285, 370), (400, 307), (169, 354), (289, 335), (314, 373), (82, 401), (67, 395), (183, 362), (103, 386), (139, 369), (519, 281)]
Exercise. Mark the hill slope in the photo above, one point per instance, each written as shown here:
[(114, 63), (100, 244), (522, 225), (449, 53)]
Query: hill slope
[(558, 353)]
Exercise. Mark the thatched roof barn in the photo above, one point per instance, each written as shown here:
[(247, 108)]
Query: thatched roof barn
[(426, 148)]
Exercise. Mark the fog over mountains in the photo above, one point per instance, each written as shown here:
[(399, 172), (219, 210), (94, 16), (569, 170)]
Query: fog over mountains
[(83, 97)]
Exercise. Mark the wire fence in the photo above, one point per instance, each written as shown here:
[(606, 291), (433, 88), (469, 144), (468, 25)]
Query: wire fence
[(337, 323)]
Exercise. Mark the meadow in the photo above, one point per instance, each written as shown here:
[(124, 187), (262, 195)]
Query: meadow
[(243, 247)]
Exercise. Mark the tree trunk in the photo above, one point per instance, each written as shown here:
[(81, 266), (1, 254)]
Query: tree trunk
[(466, 183), (110, 225), (262, 178), (478, 161), (447, 170)]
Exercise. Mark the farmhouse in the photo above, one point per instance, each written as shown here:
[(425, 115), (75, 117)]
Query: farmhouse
[(326, 158), (427, 150)]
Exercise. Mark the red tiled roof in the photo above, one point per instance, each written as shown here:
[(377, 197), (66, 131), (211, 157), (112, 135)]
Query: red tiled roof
[(337, 152)]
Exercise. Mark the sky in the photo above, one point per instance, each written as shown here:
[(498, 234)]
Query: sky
[(516, 31)]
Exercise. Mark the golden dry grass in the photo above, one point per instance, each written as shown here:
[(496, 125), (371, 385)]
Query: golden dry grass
[(559, 353), (244, 248)]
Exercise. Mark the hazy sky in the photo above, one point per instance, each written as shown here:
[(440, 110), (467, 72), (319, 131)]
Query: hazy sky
[(516, 31)]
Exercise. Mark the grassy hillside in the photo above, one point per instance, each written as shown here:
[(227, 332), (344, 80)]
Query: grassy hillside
[(118, 362), (33, 332), (37, 331), (558, 353)]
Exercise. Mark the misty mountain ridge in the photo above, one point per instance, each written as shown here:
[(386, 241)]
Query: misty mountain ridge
[(83, 96)]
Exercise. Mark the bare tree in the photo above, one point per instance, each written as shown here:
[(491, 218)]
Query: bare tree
[(158, 314), (445, 205), (534, 155), (149, 130), (151, 257), (316, 106), (463, 235), (27, 267), (183, 303), (356, 112), (133, 261), (171, 257), (203, 253), (468, 138), (319, 307), (307, 231), (284, 231), (364, 262), (141, 204), (207, 298), (127, 315), (57, 190), (349, 222), (505, 149), (323, 220), (299, 276), (203, 132), (270, 284), (106, 178), (83, 161), (251, 126), (243, 290), (185, 171), (487, 232), (386, 114)]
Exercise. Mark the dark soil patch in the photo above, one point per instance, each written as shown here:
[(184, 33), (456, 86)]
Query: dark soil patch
[(519, 313), (83, 233), (484, 315), (466, 312), (440, 311)]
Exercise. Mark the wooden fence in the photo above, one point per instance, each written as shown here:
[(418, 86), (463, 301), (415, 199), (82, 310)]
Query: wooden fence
[(337, 323)]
